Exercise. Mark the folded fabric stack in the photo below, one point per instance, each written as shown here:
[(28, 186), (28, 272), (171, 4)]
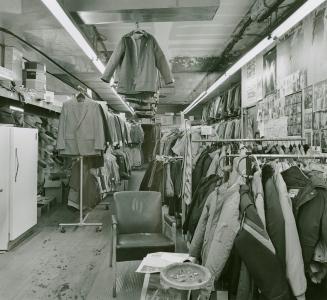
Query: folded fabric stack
[(145, 105)]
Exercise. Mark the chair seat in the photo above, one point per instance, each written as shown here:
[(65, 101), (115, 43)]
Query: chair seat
[(137, 245)]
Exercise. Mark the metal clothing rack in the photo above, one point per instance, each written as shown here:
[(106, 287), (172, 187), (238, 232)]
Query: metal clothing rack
[(289, 139), (82, 220)]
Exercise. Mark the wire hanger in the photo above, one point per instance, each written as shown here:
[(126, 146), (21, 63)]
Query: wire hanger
[(137, 29)]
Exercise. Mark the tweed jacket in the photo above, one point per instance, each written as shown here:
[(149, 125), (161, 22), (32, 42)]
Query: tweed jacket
[(137, 70), (81, 130)]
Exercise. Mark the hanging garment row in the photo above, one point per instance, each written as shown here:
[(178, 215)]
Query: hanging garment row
[(224, 106), (272, 219), (164, 175)]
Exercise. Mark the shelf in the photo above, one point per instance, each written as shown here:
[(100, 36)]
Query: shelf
[(29, 100)]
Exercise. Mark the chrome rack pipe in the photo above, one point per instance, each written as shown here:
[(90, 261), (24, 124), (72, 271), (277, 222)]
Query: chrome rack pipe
[(250, 140), (319, 156)]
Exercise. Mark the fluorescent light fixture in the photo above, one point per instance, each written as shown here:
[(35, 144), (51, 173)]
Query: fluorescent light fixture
[(294, 19), (16, 108), (79, 38), (74, 32), (195, 102)]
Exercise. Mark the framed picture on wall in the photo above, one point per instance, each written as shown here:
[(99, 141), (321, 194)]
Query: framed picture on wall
[(269, 72)]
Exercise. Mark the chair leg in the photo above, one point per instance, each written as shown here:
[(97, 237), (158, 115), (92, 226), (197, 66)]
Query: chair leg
[(114, 286), (111, 252), (114, 261)]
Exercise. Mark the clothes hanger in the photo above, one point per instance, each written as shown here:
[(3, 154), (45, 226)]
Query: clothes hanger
[(138, 30)]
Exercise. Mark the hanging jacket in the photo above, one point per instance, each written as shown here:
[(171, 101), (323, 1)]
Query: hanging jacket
[(274, 216), (310, 210), (294, 260), (138, 68), (199, 198), (216, 231), (201, 169), (257, 251)]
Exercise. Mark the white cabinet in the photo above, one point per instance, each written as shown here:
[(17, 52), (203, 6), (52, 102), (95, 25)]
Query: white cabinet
[(18, 182)]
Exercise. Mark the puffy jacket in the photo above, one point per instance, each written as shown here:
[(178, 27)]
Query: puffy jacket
[(310, 210), (214, 236), (137, 69), (294, 260), (257, 251), (275, 222)]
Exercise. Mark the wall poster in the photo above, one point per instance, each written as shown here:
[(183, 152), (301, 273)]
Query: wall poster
[(252, 82), (293, 111), (269, 72)]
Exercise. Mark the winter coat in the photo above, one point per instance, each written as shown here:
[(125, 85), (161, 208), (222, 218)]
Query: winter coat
[(310, 210), (257, 251), (199, 198), (214, 236), (294, 260), (275, 223), (137, 68)]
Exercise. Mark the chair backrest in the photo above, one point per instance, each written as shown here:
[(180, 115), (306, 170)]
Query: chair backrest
[(138, 212)]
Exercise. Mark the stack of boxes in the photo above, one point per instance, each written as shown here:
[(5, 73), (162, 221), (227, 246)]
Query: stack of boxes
[(13, 60), (35, 76)]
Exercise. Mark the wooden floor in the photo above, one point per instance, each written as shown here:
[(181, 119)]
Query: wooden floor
[(71, 265)]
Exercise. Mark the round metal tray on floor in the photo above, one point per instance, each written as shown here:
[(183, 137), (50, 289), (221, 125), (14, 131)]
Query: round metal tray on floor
[(185, 276)]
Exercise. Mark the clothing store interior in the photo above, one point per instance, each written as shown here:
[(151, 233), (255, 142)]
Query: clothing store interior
[(163, 149)]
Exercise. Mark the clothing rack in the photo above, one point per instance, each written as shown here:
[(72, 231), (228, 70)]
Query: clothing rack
[(276, 156), (82, 221), (288, 139)]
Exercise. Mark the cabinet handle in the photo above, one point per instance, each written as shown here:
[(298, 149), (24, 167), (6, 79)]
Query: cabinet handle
[(17, 164)]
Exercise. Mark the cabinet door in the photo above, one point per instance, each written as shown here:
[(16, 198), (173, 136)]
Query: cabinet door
[(23, 202), (4, 187)]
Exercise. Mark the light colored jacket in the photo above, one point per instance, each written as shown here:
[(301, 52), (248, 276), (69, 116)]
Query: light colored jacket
[(137, 70), (294, 259), (81, 130), (215, 233)]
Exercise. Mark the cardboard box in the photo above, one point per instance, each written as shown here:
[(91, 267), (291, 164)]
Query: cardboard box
[(35, 85), (13, 60)]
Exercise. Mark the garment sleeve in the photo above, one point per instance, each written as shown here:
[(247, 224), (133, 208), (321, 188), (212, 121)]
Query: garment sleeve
[(162, 63), (198, 237), (99, 143), (61, 129), (114, 61)]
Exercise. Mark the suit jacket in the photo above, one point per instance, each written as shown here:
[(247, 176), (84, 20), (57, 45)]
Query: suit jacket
[(81, 130)]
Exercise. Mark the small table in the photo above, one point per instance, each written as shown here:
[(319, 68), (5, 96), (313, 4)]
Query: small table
[(153, 290)]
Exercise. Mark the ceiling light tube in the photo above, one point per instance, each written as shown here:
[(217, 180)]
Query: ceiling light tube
[(15, 108), (71, 28), (294, 19), (59, 13), (99, 65)]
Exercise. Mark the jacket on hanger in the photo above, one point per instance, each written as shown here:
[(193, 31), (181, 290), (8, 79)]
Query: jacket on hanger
[(81, 129), (310, 210), (137, 67), (258, 253), (217, 228)]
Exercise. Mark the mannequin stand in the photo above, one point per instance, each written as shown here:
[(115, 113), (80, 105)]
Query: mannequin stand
[(82, 221)]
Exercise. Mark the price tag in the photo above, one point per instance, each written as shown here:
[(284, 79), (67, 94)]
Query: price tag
[(293, 193)]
